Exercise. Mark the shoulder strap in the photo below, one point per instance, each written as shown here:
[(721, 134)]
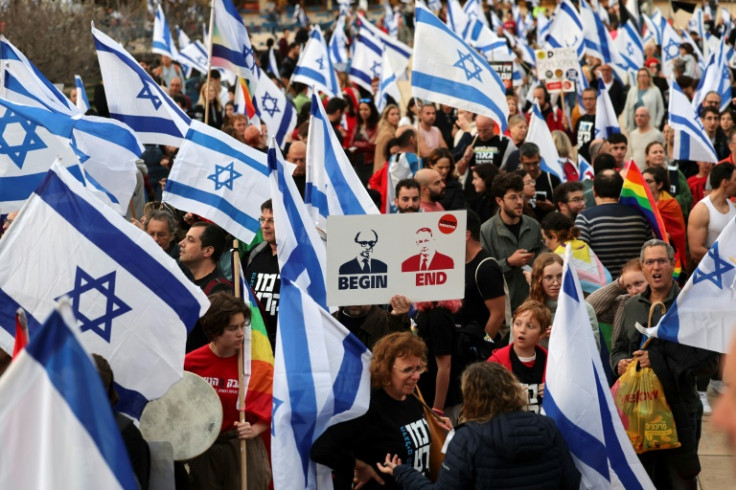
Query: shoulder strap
[(508, 317), (214, 282), (255, 251)]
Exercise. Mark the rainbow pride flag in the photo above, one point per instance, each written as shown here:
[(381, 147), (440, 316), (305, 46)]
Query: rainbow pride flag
[(243, 99), (257, 359), (636, 194)]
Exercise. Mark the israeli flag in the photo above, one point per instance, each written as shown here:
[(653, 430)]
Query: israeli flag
[(716, 78), (697, 22), (390, 20), (338, 44), (333, 187), (53, 396), (474, 10), (398, 50), (366, 62), (456, 18), (482, 38), (400, 166), (302, 254), (221, 179), (344, 7), (273, 66), (597, 41), (606, 122), (542, 28), (135, 99), (30, 86), (566, 28), (107, 150), (691, 141), (703, 313), (434, 5), (133, 304), (653, 32), (231, 47), (182, 38), (162, 40), (539, 133), (315, 68), (82, 100), (630, 48), (273, 108), (577, 397), (27, 151), (194, 56), (585, 169), (387, 85), (320, 378), (671, 41), (448, 71)]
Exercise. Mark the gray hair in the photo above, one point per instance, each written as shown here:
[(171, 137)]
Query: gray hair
[(655, 242), (161, 215)]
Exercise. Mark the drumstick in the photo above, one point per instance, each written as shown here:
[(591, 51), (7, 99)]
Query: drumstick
[(241, 372)]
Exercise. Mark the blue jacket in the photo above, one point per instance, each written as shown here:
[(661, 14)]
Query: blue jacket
[(513, 450)]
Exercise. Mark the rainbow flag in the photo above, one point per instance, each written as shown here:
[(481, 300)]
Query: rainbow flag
[(231, 47), (257, 359), (243, 99), (636, 194)]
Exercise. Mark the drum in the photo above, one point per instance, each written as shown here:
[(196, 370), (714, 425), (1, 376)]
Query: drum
[(188, 416)]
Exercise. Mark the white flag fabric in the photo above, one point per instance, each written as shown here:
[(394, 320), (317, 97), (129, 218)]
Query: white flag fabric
[(704, 313), (231, 47), (194, 55), (387, 85), (133, 304), (566, 28), (221, 179), (273, 108), (302, 254), (107, 150), (273, 66), (542, 28), (135, 99), (400, 166), (606, 122), (397, 50), (697, 22), (540, 134), (577, 397), (163, 43), (338, 44), (630, 47), (671, 41), (691, 141), (448, 71), (53, 401), (597, 40), (82, 99), (332, 186), (366, 62), (457, 19), (716, 78), (29, 81), (320, 378), (315, 67)]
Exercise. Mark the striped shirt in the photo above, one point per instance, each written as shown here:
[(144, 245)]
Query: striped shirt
[(615, 233)]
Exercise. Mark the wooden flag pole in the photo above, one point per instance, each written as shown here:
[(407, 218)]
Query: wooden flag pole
[(241, 372), (209, 65)]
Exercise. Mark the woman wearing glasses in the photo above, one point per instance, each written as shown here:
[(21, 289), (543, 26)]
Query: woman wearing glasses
[(394, 422), (545, 285)]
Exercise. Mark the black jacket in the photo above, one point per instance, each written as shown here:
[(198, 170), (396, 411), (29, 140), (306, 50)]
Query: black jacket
[(513, 450)]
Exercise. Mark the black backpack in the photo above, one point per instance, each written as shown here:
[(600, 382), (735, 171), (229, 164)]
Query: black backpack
[(469, 345)]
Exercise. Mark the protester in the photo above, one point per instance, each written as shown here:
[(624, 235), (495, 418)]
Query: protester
[(669, 209), (208, 102), (387, 126), (442, 162), (484, 204), (363, 144), (643, 94), (499, 444), (678, 187)]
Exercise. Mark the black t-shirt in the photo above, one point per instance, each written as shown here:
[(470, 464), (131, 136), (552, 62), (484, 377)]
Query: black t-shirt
[(264, 278), (214, 282), (389, 426), (546, 183), (436, 327), (585, 131), (490, 151), (489, 286), (515, 229)]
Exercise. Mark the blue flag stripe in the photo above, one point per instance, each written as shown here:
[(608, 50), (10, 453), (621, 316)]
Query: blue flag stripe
[(677, 119), (148, 124), (57, 351), (285, 122), (298, 369), (108, 238), (345, 388), (310, 73), (370, 44), (13, 84), (220, 203), (234, 57), (215, 144)]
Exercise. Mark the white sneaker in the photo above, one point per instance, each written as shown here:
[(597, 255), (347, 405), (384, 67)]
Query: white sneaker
[(716, 386), (704, 400)]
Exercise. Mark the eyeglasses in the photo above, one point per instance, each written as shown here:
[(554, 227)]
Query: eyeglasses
[(552, 279), (530, 182), (265, 220), (513, 197), (370, 244), (660, 262), (411, 370), (576, 199)]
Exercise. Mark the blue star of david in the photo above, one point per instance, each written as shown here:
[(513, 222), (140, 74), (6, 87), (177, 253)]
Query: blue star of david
[(219, 170), (321, 63), (671, 50), (146, 93), (274, 104), (31, 140), (248, 52), (376, 69), (114, 306), (720, 267), (476, 70), (276, 404), (630, 49)]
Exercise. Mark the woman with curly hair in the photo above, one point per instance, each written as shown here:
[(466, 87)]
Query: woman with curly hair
[(499, 445), (394, 421), (441, 160)]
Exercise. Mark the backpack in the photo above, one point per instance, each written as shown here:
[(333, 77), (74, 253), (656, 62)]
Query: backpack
[(469, 345)]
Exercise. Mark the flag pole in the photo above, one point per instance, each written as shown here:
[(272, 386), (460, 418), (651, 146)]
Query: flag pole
[(241, 371), (209, 65)]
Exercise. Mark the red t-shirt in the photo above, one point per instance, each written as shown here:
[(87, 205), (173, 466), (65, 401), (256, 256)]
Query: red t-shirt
[(222, 374)]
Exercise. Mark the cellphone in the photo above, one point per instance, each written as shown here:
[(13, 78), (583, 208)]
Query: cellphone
[(526, 268), (540, 196)]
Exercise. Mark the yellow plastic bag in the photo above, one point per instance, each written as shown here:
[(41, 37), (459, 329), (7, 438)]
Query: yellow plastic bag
[(644, 411)]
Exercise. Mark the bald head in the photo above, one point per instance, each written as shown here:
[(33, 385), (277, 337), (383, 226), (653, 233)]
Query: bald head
[(641, 118), (252, 136), (425, 176), (175, 86), (298, 156), (484, 126), (431, 185)]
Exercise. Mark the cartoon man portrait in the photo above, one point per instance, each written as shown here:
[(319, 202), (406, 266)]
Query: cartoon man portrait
[(363, 263), (428, 258)]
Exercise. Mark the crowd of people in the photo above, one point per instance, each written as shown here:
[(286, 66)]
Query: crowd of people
[(520, 219)]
